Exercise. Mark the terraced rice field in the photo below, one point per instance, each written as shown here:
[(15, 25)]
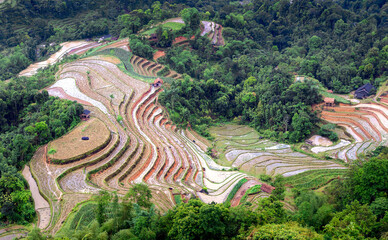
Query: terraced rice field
[(144, 146), (68, 48), (240, 147), (150, 69), (367, 123)]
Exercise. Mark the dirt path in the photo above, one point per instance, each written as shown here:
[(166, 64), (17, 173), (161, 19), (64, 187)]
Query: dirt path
[(159, 54), (66, 47), (42, 207), (240, 193)]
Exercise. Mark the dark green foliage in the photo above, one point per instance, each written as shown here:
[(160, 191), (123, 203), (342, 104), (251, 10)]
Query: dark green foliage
[(327, 131), (371, 181), (235, 189), (313, 209), (15, 200), (365, 182), (140, 194), (356, 222), (28, 118), (289, 231), (13, 63), (141, 48), (270, 210), (278, 192)]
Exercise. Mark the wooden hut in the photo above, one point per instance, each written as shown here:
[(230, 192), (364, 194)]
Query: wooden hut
[(364, 91), (85, 115), (329, 102), (157, 83)]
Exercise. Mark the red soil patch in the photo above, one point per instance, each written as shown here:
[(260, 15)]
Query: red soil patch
[(178, 173), (141, 170), (384, 100), (188, 173), (59, 92), (162, 168), (159, 54), (171, 169), (179, 40), (157, 117), (149, 174), (163, 121), (220, 38), (241, 192)]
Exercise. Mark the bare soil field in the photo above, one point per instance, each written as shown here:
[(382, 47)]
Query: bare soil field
[(158, 54), (320, 141), (71, 145)]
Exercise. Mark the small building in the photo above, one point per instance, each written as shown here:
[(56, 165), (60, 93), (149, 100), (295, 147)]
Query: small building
[(329, 102), (103, 38), (364, 91), (330, 91), (157, 83), (85, 115), (153, 37)]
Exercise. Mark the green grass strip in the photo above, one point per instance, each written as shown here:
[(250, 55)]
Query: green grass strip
[(235, 189), (314, 179)]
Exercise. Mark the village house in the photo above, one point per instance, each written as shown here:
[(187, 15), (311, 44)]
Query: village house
[(85, 115), (329, 102), (364, 91), (157, 83)]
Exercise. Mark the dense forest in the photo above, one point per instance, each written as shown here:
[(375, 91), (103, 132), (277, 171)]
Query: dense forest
[(28, 118), (251, 80), (355, 207)]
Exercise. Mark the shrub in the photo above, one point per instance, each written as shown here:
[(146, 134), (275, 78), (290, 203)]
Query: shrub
[(52, 151)]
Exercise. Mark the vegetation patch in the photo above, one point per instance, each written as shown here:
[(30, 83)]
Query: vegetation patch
[(175, 26), (314, 179), (80, 217), (235, 189), (177, 198)]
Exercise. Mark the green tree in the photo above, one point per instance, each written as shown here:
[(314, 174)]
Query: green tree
[(371, 181), (191, 18), (140, 194), (289, 231), (355, 222), (196, 220)]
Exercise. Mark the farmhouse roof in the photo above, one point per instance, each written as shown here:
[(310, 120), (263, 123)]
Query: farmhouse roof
[(328, 100), (367, 87), (86, 112), (158, 80), (364, 91)]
